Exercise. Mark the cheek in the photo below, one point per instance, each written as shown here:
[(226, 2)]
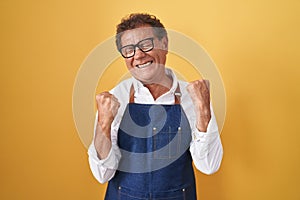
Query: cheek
[(128, 63), (159, 55)]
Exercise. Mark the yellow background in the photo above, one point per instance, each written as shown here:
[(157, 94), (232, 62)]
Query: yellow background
[(255, 45)]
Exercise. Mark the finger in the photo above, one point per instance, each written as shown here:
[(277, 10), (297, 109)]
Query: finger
[(114, 98), (98, 97), (194, 85), (190, 86), (101, 95)]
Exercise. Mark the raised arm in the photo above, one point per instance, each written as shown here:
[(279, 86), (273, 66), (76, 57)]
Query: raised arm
[(104, 154)]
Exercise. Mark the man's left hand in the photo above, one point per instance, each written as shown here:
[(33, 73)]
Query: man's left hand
[(200, 95)]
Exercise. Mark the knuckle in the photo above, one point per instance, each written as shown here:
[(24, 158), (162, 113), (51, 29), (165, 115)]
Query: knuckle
[(194, 82), (201, 82), (98, 96), (189, 87)]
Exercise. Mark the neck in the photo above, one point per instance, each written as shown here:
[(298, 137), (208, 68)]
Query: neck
[(158, 89)]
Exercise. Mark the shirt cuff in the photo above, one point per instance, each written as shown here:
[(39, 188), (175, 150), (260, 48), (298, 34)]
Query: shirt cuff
[(211, 132), (110, 162)]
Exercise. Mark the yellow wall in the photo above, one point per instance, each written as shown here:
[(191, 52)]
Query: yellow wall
[(255, 45)]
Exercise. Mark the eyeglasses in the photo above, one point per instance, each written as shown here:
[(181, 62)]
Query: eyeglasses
[(144, 45)]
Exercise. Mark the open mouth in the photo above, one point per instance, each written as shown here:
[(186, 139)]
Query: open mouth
[(144, 65)]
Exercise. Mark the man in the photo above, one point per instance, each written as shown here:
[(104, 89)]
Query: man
[(150, 128)]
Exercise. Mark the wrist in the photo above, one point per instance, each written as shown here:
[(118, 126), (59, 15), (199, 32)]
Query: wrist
[(203, 121), (104, 123), (103, 129)]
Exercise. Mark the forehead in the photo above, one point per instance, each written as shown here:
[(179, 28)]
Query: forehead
[(135, 35)]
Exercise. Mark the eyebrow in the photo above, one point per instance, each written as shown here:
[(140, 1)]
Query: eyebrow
[(137, 42)]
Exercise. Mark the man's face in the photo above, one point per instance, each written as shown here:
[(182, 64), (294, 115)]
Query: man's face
[(147, 67)]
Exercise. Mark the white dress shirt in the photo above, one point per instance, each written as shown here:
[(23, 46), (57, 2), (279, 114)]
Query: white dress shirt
[(206, 147)]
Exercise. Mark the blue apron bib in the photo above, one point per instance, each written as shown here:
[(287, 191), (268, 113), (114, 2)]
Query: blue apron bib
[(156, 163)]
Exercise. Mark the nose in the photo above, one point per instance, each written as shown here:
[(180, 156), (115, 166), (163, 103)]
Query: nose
[(139, 54)]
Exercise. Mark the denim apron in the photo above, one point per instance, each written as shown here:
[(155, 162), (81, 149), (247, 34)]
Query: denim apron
[(156, 163)]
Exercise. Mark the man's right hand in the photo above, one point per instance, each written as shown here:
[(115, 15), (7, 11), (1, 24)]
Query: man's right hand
[(107, 106)]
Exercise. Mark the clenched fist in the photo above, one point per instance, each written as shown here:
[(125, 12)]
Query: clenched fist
[(199, 92), (107, 106)]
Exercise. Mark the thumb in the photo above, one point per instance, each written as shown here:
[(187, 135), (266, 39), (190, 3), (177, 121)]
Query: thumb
[(207, 83)]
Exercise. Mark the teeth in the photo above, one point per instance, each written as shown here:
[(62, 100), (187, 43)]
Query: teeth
[(144, 65)]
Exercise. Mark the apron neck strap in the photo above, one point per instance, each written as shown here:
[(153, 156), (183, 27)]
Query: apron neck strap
[(177, 95)]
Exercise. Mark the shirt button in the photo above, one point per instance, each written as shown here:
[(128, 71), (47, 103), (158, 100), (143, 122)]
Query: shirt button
[(183, 190), (119, 188), (154, 128)]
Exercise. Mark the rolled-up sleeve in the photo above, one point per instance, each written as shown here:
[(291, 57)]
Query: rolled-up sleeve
[(206, 147), (104, 170)]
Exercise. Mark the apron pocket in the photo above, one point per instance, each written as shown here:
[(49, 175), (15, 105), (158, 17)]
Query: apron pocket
[(167, 144), (179, 194), (128, 194)]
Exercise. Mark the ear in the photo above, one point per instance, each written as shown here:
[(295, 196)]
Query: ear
[(165, 43)]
